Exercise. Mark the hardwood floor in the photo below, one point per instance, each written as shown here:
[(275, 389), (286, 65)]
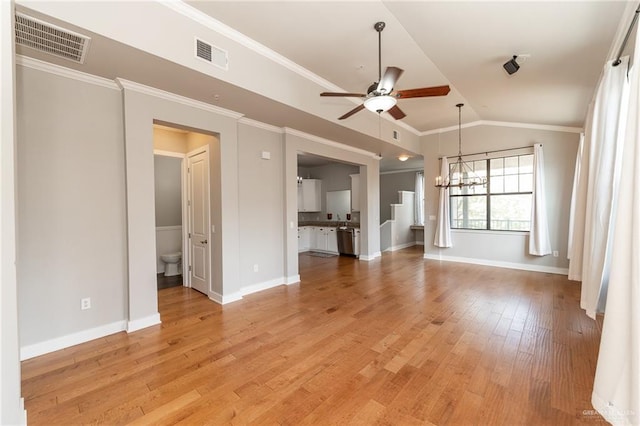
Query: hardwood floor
[(399, 340)]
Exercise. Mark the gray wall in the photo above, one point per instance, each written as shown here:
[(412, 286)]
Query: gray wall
[(390, 184), (168, 190), (334, 177), (506, 247), (261, 206), (71, 206)]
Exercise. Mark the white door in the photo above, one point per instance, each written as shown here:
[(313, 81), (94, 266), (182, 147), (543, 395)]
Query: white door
[(198, 205)]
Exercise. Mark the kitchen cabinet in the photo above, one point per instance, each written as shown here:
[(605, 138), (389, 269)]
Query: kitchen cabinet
[(355, 193), (310, 195), (323, 238), (304, 238)]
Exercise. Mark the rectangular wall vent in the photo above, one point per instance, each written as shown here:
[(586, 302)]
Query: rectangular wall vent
[(396, 135), (212, 54), (49, 38)]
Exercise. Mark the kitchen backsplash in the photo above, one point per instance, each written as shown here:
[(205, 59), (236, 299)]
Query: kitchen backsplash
[(316, 216)]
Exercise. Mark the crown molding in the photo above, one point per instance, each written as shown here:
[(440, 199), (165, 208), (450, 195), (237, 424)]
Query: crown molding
[(213, 24), (531, 126), (152, 91), (225, 30), (59, 70), (260, 125), (314, 138)]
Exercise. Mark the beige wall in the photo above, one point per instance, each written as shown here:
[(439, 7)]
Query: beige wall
[(167, 140)]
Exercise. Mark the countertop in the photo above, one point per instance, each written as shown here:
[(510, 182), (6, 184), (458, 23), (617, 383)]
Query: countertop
[(329, 223)]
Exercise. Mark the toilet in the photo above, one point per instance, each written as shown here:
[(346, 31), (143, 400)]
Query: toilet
[(172, 263)]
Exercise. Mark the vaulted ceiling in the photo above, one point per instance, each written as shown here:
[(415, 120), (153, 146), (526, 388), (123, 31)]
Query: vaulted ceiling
[(462, 44)]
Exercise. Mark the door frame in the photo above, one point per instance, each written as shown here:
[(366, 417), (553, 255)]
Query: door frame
[(186, 263)]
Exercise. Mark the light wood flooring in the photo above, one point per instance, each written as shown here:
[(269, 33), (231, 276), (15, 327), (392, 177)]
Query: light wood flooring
[(399, 340)]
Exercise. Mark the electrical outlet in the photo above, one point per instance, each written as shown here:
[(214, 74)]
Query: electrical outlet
[(85, 303), (255, 268), (555, 253)]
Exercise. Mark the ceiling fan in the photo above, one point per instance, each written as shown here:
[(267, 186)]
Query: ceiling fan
[(380, 95)]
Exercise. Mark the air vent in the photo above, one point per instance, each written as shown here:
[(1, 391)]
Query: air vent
[(396, 135), (212, 54), (48, 38)]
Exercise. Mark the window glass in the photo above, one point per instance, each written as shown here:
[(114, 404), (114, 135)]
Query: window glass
[(504, 203), (469, 212), (511, 212)]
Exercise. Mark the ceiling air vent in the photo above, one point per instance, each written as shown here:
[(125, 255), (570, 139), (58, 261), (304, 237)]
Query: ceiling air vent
[(45, 37), (212, 54)]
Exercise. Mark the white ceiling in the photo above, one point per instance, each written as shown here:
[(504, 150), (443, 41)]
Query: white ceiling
[(463, 44)]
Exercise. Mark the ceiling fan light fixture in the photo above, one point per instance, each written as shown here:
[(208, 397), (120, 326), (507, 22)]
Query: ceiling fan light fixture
[(403, 157), (380, 103)]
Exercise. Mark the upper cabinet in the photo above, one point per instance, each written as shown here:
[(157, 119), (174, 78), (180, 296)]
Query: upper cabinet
[(355, 193), (310, 195)]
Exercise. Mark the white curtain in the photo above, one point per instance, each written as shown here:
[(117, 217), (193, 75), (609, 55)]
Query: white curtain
[(443, 229), (419, 199), (616, 390), (572, 209), (579, 202), (599, 180), (539, 243)]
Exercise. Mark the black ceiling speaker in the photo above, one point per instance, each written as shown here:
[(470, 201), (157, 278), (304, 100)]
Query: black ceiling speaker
[(511, 66)]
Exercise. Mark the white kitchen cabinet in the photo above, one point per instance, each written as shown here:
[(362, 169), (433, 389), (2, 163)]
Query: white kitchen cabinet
[(323, 238), (310, 195), (356, 242), (332, 240), (355, 193), (304, 238)]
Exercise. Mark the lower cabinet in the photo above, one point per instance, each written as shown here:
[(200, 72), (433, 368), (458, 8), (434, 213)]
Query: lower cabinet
[(323, 238), (304, 238)]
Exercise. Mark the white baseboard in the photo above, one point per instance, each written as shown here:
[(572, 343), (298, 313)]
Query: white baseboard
[(58, 343), (292, 280), (371, 257), (499, 264), (145, 322), (224, 299), (420, 243), (401, 246), (254, 288)]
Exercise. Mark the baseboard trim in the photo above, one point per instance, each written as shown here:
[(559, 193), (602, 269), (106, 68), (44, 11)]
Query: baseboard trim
[(37, 349), (499, 264), (419, 243), (371, 257), (253, 288), (294, 279), (266, 285), (145, 322), (401, 246)]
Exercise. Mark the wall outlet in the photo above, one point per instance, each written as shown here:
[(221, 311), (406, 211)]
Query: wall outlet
[(555, 253), (85, 303), (255, 268)]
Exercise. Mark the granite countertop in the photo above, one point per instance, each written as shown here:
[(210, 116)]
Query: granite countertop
[(331, 223)]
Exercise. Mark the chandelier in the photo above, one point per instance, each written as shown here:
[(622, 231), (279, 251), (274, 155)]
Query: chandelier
[(461, 174)]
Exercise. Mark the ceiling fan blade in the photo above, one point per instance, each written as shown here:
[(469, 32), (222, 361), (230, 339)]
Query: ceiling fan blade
[(388, 80), (423, 92), (353, 111), (356, 95), (397, 113)]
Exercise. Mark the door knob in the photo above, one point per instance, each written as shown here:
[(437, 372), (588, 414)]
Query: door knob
[(203, 242)]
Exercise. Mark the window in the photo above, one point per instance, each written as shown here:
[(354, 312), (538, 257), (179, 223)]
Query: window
[(504, 204)]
